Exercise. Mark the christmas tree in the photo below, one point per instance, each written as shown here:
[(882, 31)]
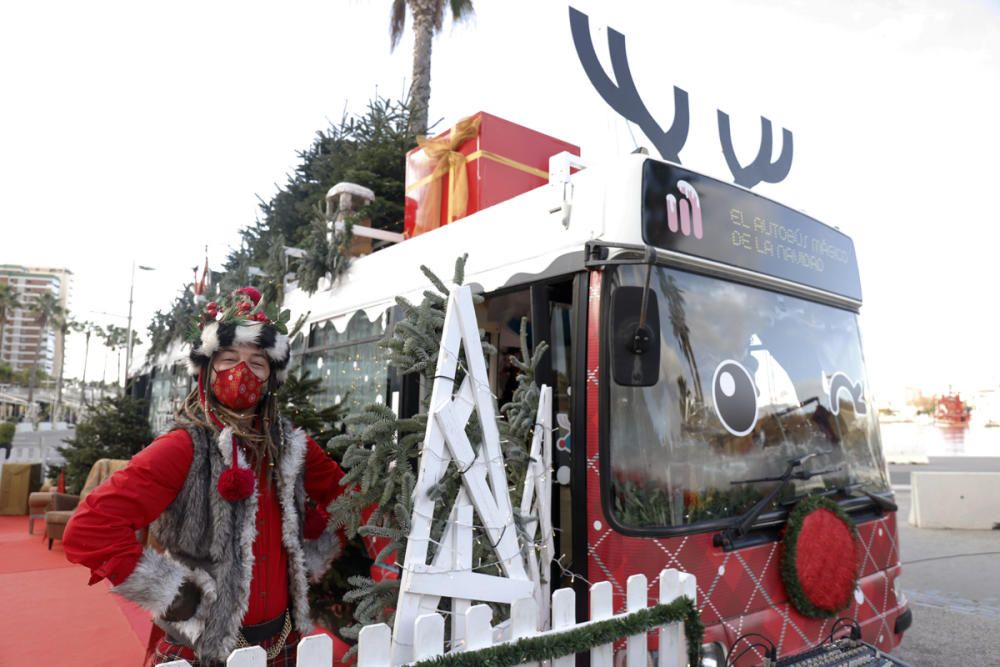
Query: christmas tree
[(295, 403), (114, 428)]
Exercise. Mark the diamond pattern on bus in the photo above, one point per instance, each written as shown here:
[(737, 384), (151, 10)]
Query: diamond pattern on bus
[(738, 591), (750, 576)]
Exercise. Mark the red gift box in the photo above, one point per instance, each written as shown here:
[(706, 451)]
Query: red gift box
[(482, 161)]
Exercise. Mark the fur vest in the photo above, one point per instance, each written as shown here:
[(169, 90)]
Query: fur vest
[(209, 540)]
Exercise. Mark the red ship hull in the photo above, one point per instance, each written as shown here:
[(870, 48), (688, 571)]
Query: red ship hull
[(951, 411)]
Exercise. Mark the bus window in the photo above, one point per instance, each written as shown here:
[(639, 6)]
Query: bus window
[(500, 317), (748, 380), (350, 364), (168, 389)]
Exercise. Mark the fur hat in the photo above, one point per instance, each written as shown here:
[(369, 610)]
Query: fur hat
[(241, 318)]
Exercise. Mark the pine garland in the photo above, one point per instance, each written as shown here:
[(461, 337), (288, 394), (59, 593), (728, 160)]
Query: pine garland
[(648, 505), (789, 571), (584, 638)]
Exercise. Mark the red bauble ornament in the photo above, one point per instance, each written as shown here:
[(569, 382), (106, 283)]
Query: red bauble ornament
[(250, 292), (236, 483), (820, 560)]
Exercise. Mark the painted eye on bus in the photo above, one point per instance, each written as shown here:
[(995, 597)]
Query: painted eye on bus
[(735, 397), (842, 387)]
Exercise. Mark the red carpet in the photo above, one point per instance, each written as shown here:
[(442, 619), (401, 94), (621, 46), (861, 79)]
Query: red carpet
[(52, 618), (20, 552)]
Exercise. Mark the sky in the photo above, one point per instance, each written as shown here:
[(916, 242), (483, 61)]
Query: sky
[(144, 132)]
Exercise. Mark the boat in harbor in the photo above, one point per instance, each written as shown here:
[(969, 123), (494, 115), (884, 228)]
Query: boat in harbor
[(951, 410)]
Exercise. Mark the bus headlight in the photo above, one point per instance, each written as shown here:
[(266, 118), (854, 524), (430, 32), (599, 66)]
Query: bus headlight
[(713, 655)]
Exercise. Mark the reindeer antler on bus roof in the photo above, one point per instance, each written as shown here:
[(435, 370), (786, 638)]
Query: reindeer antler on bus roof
[(623, 97), (761, 169)]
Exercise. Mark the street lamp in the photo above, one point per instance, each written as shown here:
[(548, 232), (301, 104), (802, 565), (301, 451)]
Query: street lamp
[(128, 336)]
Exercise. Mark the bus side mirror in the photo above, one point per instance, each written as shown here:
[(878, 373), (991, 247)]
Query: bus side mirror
[(635, 343)]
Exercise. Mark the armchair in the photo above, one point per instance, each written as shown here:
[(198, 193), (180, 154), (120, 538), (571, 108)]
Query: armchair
[(38, 505), (62, 505)]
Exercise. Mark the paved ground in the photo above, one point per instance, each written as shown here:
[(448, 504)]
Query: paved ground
[(899, 474), (952, 581)]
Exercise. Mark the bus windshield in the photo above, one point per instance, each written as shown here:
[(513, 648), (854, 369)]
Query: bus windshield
[(748, 379)]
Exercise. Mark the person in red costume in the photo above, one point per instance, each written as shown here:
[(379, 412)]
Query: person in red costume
[(235, 494)]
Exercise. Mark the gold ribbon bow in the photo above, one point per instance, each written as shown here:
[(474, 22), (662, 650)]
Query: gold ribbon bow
[(443, 153)]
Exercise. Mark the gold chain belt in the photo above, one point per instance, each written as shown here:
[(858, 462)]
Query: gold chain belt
[(241, 641)]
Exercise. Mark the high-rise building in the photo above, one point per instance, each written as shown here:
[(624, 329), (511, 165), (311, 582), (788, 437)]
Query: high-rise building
[(22, 334)]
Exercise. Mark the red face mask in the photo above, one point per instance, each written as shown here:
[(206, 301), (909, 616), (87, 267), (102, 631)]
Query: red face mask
[(238, 388)]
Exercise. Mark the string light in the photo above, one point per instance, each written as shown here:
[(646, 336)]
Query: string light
[(475, 526)]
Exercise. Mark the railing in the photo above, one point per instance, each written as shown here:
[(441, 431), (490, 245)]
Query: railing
[(375, 641)]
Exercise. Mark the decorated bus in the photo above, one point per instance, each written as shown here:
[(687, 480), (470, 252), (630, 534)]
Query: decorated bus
[(710, 401)]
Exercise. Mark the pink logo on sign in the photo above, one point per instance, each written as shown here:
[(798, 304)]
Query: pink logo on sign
[(685, 215)]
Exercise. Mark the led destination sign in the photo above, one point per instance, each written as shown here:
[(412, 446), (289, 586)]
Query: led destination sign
[(696, 215)]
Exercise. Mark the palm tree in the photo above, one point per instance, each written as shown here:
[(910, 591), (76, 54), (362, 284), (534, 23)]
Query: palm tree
[(46, 310), (66, 324), (428, 18), (88, 329), (9, 302), (115, 338), (678, 323)]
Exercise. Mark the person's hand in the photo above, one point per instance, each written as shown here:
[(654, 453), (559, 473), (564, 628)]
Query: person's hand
[(185, 604)]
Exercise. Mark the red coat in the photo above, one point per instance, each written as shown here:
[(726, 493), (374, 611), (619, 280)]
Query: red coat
[(101, 534)]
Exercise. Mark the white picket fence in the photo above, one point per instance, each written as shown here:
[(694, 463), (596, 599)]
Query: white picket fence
[(375, 642), (314, 651), (374, 649)]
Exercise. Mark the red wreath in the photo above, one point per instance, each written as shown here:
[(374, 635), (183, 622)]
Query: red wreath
[(820, 559)]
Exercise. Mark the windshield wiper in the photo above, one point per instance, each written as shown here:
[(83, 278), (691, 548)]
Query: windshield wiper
[(883, 503), (741, 524)]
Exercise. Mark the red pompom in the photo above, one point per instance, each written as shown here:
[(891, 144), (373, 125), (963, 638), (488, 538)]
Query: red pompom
[(236, 484), (827, 560), (250, 292), (315, 522)]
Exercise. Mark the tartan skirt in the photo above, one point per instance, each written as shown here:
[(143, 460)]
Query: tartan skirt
[(167, 651)]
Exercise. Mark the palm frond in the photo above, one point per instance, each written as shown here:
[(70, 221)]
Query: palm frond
[(461, 9), (397, 22)]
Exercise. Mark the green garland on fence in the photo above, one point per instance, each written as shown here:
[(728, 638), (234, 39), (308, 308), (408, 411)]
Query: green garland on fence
[(789, 571), (546, 647)]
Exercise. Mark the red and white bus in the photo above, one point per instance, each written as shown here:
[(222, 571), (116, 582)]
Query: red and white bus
[(708, 376)]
